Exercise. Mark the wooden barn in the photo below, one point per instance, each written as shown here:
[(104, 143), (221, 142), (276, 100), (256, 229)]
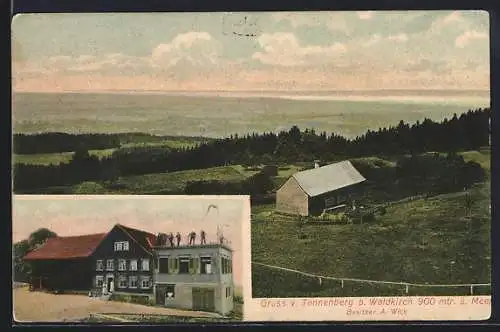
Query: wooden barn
[(312, 191), (63, 263)]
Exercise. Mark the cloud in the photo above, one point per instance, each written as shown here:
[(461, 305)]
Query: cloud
[(283, 49), (195, 48), (468, 36), (296, 50), (365, 15), (191, 51)]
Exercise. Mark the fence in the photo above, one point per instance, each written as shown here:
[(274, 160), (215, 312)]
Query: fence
[(407, 285)]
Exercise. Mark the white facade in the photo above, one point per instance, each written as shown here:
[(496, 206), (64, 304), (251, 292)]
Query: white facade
[(197, 277)]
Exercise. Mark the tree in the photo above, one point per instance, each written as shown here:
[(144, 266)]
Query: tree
[(22, 269), (40, 236)]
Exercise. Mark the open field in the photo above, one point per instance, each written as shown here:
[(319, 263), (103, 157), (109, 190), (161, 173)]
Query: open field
[(423, 241), (55, 158), (45, 307), (176, 181), (173, 182), (146, 141)]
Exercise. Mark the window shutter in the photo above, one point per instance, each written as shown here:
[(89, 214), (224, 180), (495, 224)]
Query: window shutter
[(170, 265), (191, 265), (197, 265), (213, 262)]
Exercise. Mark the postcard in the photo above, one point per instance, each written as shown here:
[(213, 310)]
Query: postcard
[(361, 138), (129, 259)]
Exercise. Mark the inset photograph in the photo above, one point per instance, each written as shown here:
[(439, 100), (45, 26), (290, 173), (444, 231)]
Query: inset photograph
[(128, 258)]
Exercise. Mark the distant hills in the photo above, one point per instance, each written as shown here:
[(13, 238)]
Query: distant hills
[(378, 93)]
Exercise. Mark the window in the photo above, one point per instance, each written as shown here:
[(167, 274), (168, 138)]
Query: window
[(228, 291), (122, 265), (110, 265), (122, 282), (184, 265), (99, 280), (99, 265), (132, 282), (121, 246), (164, 268), (145, 264), (227, 265), (133, 265), (206, 265), (145, 282), (170, 292)]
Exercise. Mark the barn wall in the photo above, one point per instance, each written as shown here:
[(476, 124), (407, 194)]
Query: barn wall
[(290, 198), (63, 274)]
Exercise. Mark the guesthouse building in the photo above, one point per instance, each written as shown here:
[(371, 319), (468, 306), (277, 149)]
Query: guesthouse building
[(131, 262), (197, 277), (122, 263), (119, 261)]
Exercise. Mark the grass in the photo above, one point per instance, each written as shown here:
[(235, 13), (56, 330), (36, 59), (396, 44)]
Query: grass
[(170, 143), (176, 181), (158, 183), (54, 158), (134, 141), (413, 242), (482, 157)]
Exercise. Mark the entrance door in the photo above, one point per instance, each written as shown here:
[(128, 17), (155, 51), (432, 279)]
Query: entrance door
[(204, 299), (110, 285)]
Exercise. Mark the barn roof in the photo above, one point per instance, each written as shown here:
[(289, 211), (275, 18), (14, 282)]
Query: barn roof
[(66, 247), (81, 246), (328, 178)]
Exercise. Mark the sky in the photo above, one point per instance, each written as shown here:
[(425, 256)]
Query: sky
[(69, 216), (251, 51)]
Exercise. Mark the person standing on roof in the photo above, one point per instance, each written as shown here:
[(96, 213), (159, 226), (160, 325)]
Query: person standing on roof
[(171, 239), (203, 239), (178, 236), (192, 237)]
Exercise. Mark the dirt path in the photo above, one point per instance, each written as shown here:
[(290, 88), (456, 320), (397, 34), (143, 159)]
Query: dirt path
[(45, 307)]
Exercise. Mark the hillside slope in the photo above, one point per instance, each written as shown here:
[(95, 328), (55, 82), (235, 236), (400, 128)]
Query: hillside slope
[(423, 241)]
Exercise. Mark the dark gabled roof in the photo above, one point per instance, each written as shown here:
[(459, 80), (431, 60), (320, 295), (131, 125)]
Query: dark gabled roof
[(144, 239), (318, 181), (81, 246), (67, 247)]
